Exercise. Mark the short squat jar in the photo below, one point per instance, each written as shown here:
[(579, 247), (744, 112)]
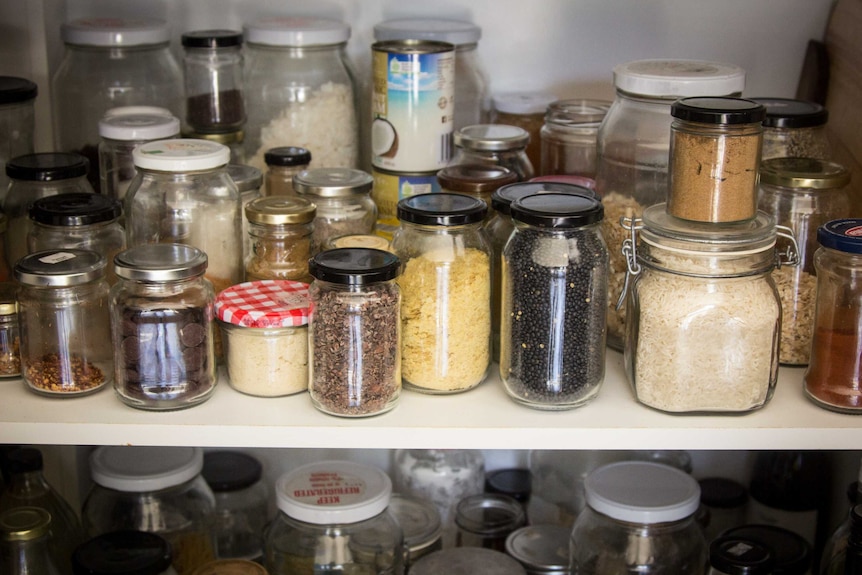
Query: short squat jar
[(794, 129), (552, 320), (280, 229), (282, 164), (568, 137), (494, 144)]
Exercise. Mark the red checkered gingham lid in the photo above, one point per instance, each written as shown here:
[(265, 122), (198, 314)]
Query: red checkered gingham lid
[(265, 303)]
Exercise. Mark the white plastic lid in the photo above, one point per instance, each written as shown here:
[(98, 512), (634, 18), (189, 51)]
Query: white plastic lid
[(333, 492), (115, 32), (523, 102), (137, 469), (141, 127), (442, 30), (642, 492), (679, 78), (297, 31), (181, 155), (121, 110)]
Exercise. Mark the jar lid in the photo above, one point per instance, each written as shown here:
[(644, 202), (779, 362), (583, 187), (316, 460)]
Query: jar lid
[(803, 173), (24, 460), (722, 493), (791, 551), (332, 182), (137, 469), (454, 32), (741, 238), (842, 235), (467, 561), (333, 492), (47, 167), (581, 181), (489, 514), (122, 110), (297, 31), (576, 113), (60, 268), (789, 113), (287, 156), (212, 39), (523, 102), (139, 126), (717, 110), (419, 520), (667, 78), (475, 178), (246, 178), (557, 210), (516, 483), (75, 209), (360, 241), (642, 492), (354, 266), (502, 198), (541, 548), (280, 210), (739, 556), (491, 137), (160, 263), (123, 552), (14, 90), (226, 471), (441, 209), (115, 32), (180, 155), (264, 304), (24, 524)]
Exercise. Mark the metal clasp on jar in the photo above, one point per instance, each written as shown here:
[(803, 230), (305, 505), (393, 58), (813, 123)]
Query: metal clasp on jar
[(790, 255), (629, 250)]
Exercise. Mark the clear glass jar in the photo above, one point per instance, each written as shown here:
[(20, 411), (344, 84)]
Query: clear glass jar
[(282, 165), (10, 333), (739, 556), (124, 553), (300, 90), (793, 555), (212, 66), (17, 122), (162, 327), (724, 501), (5, 270), (248, 181), (467, 561), (265, 332), (514, 482), (633, 149), (25, 543), (154, 489), (280, 229), (65, 325), (355, 301), (554, 281), (333, 519), (110, 62), (486, 520), (794, 129), (475, 180), (343, 200), (420, 523), (525, 110), (541, 549), (496, 145), (446, 286), (568, 137), (184, 194), (639, 519), (802, 194)]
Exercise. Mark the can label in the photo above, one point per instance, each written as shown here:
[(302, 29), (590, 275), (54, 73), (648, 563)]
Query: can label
[(390, 187), (412, 105)]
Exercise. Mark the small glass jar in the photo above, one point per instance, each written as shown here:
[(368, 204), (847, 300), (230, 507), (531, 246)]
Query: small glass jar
[(248, 181), (184, 194), (343, 200), (26, 542), (446, 286), (10, 334), (265, 333), (476, 180), (212, 65), (568, 137), (793, 555), (420, 522), (802, 194), (17, 122), (724, 501), (124, 553), (280, 229), (739, 556), (486, 520), (282, 165), (162, 327), (554, 285), (355, 301), (794, 129), (541, 549), (639, 519), (496, 145), (525, 110), (333, 518), (65, 325), (467, 561), (154, 489)]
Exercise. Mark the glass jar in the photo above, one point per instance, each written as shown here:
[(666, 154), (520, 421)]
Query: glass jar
[(794, 129), (724, 501), (265, 332), (25, 543), (65, 325), (525, 110), (802, 194), (184, 194), (10, 334), (233, 140), (420, 523), (486, 520), (467, 561), (739, 556), (300, 90), (355, 301), (541, 549), (552, 328), (124, 553), (568, 137), (282, 165), (212, 66), (17, 122), (639, 519), (248, 181), (343, 200), (475, 180), (514, 482), (333, 518), (496, 145), (5, 270), (154, 489), (162, 327), (110, 62), (792, 553), (280, 229), (633, 146), (446, 286)]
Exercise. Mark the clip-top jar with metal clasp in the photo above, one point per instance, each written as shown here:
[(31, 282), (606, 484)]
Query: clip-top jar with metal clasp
[(494, 144), (280, 228)]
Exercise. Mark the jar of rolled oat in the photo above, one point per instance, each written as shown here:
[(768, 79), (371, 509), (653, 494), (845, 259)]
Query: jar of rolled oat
[(280, 229)]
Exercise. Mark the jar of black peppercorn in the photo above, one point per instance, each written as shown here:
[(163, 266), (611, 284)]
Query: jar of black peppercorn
[(212, 61)]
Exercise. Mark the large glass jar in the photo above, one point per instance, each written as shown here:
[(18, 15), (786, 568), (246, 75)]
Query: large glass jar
[(333, 519), (494, 144), (300, 91), (794, 129), (65, 325), (155, 489), (802, 194), (446, 286), (525, 110), (639, 519), (212, 65), (283, 163), (280, 229), (568, 137), (17, 122), (633, 149), (552, 319)]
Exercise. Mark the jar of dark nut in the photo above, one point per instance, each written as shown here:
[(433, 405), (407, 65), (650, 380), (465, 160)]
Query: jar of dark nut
[(65, 327), (280, 231)]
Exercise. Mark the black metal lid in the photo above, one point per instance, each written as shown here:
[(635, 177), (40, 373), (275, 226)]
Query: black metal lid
[(14, 90), (791, 552), (516, 483), (212, 39), (722, 492), (287, 156), (47, 167), (740, 556), (717, 110), (789, 113), (441, 209), (503, 196), (354, 266), (556, 210), (75, 209), (122, 552), (842, 235), (230, 470), (24, 460)]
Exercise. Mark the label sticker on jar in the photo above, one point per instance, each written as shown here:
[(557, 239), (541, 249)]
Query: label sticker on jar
[(57, 257), (327, 488)]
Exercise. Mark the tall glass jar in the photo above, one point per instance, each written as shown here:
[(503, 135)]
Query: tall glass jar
[(446, 286), (17, 122), (525, 110), (794, 129), (568, 137), (300, 90), (283, 163), (212, 65), (65, 325), (494, 144), (477, 180), (280, 228)]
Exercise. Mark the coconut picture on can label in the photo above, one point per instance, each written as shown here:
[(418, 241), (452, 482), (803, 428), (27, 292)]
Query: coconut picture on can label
[(413, 105)]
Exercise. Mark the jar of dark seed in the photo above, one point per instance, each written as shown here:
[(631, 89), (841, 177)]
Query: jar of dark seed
[(162, 327), (65, 326), (355, 332), (10, 335), (553, 325), (282, 164)]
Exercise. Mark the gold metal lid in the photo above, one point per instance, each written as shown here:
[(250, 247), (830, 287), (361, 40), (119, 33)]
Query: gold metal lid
[(280, 210), (24, 523)]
